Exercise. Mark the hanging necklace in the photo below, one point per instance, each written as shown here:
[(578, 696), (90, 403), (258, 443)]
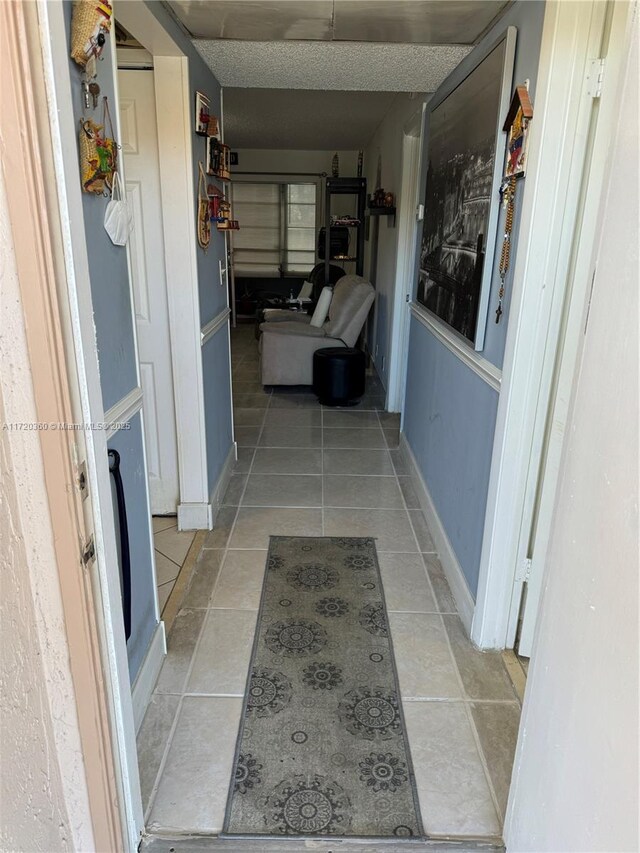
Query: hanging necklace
[(508, 192)]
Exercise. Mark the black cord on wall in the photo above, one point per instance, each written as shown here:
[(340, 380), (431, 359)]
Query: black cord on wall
[(125, 556)]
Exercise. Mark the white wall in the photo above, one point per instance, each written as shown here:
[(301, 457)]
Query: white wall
[(43, 796), (575, 783), (386, 144)]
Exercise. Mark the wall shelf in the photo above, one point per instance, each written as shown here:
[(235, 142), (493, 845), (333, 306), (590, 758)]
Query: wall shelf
[(355, 187)]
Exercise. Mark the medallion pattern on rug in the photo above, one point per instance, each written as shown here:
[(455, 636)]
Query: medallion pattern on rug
[(322, 749)]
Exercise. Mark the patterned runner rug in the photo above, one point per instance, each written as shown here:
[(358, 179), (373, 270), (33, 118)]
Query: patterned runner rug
[(322, 749)]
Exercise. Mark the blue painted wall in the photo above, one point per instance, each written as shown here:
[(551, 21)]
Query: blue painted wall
[(450, 412), (217, 402), (114, 322), (129, 444), (213, 297), (107, 263)]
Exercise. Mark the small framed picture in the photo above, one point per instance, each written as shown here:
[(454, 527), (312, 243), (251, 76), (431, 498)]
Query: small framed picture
[(213, 155), (202, 114)]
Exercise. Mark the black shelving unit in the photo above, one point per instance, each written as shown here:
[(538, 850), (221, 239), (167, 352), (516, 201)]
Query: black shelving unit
[(345, 187)]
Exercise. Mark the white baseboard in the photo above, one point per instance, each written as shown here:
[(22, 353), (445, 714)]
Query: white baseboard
[(148, 674), (194, 516), (450, 565), (217, 495)]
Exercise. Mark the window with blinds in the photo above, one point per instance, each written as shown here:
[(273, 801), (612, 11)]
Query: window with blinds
[(277, 228)]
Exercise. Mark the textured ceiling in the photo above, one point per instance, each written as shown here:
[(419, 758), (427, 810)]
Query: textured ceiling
[(311, 120), (358, 66), (411, 21)]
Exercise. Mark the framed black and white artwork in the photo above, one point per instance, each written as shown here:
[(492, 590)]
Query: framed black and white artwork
[(464, 160)]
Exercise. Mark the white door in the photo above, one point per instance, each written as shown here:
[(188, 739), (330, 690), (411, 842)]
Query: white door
[(146, 248)]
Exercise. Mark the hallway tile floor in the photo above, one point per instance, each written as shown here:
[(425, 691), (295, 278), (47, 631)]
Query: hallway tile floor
[(171, 548), (305, 470)]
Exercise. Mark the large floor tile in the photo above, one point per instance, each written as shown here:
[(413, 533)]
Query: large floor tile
[(232, 496), (483, 674), (283, 490), (399, 462), (247, 436), (251, 401), (391, 437), (255, 525), (444, 597), (281, 461), (349, 418), (248, 417), (423, 534), (276, 436), (390, 420), (406, 587), (286, 418), (222, 658), (389, 527), (152, 740), (240, 582), (408, 492), (354, 437), (244, 460), (357, 462), (164, 591), (174, 543), (354, 491), (180, 647), (166, 569), (454, 794), (425, 666), (293, 401), (193, 790), (204, 579), (247, 386), (164, 522), (219, 536), (497, 725)]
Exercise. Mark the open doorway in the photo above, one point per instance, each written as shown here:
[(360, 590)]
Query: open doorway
[(146, 248)]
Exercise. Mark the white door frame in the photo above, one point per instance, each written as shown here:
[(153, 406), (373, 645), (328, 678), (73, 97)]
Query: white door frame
[(550, 432), (405, 264), (551, 200), (106, 572), (171, 77)]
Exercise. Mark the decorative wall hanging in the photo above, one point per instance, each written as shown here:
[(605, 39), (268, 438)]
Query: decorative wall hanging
[(517, 129), (202, 114), (204, 219), (213, 126), (335, 166), (90, 25), (98, 154), (213, 155), (463, 176), (360, 163)]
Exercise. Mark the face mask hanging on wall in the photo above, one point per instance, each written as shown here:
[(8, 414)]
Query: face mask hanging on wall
[(118, 220)]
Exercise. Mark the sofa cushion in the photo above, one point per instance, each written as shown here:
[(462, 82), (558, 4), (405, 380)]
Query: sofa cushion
[(349, 296)]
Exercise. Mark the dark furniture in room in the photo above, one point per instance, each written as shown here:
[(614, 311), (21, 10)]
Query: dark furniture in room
[(344, 235), (338, 375)]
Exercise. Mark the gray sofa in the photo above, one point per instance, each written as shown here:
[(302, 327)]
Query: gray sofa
[(287, 348)]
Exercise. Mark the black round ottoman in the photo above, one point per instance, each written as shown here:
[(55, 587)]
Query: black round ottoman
[(338, 375)]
